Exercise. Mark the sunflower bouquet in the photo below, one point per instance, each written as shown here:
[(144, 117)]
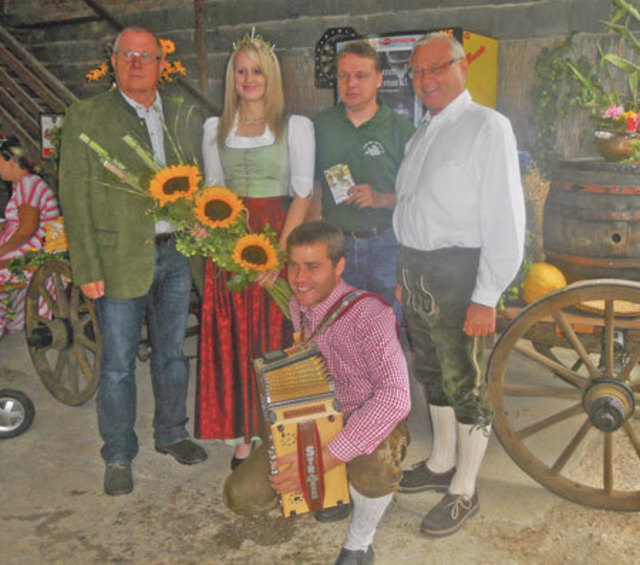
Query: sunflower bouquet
[(174, 194), (232, 246)]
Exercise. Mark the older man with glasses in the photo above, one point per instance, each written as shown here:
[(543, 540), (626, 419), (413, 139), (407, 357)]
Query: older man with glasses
[(459, 219), (123, 260)]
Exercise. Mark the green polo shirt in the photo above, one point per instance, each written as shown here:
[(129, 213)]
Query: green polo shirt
[(373, 151)]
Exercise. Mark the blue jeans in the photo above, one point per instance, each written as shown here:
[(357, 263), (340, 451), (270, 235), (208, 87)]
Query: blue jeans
[(166, 308), (370, 264)]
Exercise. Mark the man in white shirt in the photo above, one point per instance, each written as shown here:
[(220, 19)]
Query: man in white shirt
[(459, 219)]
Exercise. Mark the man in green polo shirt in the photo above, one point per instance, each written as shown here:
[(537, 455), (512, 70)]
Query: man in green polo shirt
[(359, 147)]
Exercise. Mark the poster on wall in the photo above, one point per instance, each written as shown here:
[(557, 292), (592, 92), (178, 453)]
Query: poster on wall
[(395, 55), (50, 125)]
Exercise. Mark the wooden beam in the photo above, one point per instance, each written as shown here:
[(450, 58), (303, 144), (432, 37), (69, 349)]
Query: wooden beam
[(26, 100), (58, 90), (32, 81), (201, 47), (26, 120), (16, 129)]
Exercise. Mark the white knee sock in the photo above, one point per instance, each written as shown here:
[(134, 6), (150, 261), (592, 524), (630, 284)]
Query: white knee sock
[(472, 444), (367, 513), (443, 450)]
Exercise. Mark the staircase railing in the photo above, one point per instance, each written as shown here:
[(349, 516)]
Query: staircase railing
[(27, 90)]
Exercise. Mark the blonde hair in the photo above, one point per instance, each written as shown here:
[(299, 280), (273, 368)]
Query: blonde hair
[(262, 55)]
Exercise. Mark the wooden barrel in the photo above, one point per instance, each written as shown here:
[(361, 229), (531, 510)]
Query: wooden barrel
[(592, 220)]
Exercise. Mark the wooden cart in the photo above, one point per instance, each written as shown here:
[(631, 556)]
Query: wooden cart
[(64, 342), (564, 382)]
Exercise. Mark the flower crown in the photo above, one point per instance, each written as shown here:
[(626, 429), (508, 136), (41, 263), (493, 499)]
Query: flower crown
[(253, 39)]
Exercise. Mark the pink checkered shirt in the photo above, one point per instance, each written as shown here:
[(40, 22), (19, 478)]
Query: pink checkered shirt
[(368, 366)]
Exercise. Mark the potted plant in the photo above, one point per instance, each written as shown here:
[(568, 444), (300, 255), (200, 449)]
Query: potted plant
[(610, 90)]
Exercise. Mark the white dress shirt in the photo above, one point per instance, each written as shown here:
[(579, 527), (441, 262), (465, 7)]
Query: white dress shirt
[(300, 142), (459, 186), (154, 120)]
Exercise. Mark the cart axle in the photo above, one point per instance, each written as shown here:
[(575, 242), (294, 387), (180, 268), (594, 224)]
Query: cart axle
[(608, 403)]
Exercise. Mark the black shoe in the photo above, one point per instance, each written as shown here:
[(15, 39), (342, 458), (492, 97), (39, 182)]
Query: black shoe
[(349, 557), (333, 514), (185, 452), (449, 515), (420, 478), (118, 479)]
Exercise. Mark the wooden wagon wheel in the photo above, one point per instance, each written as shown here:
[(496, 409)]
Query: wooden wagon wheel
[(566, 407), (62, 334)]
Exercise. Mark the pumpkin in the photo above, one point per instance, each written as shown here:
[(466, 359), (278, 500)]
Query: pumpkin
[(542, 279)]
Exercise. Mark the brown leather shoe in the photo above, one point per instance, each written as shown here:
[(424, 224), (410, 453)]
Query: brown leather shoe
[(185, 452), (449, 515)]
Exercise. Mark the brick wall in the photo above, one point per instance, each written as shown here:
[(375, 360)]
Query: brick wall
[(70, 41)]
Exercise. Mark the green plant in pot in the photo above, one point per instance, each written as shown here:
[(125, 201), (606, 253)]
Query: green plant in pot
[(611, 90)]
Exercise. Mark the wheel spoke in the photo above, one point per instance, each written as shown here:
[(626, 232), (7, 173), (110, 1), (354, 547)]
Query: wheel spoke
[(633, 438), (630, 366), (568, 332), (550, 421), (608, 337), (571, 448), (61, 294), (72, 372), (83, 362), (540, 391), (43, 292), (58, 372), (608, 463), (84, 341), (563, 372)]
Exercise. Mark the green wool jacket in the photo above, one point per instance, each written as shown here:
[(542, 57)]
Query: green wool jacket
[(109, 230)]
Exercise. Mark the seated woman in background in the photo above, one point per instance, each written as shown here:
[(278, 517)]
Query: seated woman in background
[(32, 203)]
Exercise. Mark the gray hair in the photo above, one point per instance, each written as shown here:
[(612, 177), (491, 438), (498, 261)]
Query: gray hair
[(456, 48), (137, 29)]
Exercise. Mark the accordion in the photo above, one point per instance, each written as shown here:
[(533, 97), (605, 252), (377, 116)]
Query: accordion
[(302, 414)]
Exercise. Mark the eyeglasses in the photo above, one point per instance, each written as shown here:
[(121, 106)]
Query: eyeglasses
[(435, 71), (143, 56), (359, 76)]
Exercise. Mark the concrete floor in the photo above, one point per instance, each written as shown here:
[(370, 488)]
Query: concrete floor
[(53, 510)]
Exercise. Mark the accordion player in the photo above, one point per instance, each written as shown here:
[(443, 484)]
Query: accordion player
[(302, 414)]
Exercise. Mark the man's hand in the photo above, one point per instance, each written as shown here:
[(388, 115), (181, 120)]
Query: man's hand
[(480, 320), (267, 278), (363, 196), (93, 290), (397, 292), (288, 477)]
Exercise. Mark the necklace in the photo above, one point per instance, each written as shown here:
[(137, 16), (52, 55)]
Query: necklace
[(247, 122)]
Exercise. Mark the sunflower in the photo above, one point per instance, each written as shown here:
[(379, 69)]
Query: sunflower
[(217, 207), (171, 70), (167, 46), (98, 73), (255, 252), (175, 182)]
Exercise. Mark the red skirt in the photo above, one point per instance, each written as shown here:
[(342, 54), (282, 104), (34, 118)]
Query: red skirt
[(237, 327)]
